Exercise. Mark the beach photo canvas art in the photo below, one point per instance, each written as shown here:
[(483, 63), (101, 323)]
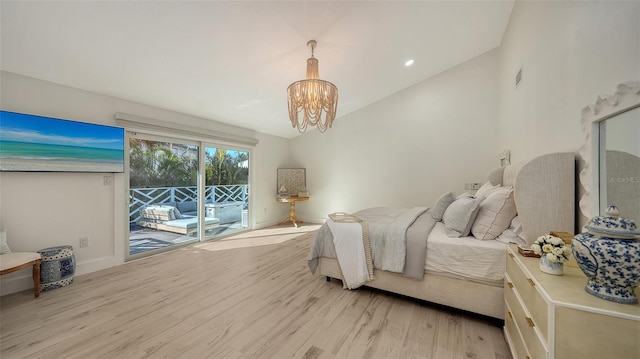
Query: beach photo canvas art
[(30, 143)]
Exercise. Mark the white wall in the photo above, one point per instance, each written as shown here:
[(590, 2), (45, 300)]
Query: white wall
[(406, 149), (41, 210), (570, 52)]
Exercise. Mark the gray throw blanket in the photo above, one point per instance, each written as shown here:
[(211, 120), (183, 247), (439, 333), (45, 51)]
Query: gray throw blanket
[(398, 240)]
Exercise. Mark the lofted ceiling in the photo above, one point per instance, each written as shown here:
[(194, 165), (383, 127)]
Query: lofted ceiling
[(231, 61)]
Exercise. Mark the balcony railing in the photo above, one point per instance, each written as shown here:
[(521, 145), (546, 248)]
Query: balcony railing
[(142, 197)]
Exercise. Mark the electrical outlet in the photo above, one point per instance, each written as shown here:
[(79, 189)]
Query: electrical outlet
[(84, 242), (471, 186)]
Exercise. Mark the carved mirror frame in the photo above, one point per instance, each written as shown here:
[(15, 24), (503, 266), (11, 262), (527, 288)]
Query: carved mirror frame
[(626, 97)]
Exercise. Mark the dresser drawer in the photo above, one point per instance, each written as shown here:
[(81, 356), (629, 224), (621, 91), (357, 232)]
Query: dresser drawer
[(513, 335), (531, 335), (615, 337), (565, 321), (532, 300)]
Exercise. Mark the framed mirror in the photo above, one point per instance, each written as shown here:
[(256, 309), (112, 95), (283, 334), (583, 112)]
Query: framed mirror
[(611, 153)]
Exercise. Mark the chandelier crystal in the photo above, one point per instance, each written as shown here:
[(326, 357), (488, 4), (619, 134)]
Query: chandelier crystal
[(312, 102)]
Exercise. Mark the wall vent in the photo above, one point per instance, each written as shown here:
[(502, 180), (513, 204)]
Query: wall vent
[(518, 77)]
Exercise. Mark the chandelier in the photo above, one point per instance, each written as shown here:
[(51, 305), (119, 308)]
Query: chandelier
[(312, 102)]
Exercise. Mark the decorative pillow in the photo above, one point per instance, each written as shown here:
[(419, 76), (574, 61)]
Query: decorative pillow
[(495, 214), (516, 227), (4, 247), (441, 205), (168, 210), (176, 213), (513, 234), (486, 189), (189, 206), (459, 216)]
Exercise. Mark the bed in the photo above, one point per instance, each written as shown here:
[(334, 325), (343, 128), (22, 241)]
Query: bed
[(463, 272)]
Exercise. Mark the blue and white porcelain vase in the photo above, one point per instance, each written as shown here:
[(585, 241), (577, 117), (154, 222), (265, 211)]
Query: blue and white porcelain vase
[(609, 255), (547, 266)]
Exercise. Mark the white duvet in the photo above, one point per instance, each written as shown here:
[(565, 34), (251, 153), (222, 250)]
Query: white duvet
[(465, 256)]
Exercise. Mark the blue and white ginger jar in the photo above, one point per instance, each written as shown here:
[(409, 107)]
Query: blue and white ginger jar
[(609, 255)]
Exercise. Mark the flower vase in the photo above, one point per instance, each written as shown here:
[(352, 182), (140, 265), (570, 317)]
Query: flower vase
[(555, 268)]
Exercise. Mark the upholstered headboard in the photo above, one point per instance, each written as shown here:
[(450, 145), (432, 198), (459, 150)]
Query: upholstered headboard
[(544, 192)]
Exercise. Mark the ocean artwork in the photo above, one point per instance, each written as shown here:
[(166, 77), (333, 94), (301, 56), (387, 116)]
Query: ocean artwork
[(44, 144)]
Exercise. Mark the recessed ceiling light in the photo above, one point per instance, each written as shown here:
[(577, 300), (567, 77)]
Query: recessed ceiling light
[(408, 62)]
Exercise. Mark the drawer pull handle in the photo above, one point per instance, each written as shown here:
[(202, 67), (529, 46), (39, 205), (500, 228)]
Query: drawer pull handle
[(510, 284), (510, 315), (531, 283), (530, 322), (510, 255)]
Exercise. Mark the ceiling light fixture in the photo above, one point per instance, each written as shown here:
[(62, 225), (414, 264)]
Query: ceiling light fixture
[(313, 98), (408, 62)]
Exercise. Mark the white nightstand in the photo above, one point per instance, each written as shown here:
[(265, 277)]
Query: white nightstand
[(550, 316)]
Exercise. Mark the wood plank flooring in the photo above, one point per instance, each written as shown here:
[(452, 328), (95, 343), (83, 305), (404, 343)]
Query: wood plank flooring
[(249, 297)]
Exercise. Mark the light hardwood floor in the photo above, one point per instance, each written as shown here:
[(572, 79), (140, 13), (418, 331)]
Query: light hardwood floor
[(250, 297)]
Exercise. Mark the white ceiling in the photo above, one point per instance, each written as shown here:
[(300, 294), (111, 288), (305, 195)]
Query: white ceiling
[(232, 61)]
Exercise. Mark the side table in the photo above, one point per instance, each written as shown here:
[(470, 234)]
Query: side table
[(292, 209)]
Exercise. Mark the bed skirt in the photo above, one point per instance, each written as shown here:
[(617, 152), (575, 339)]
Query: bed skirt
[(453, 292)]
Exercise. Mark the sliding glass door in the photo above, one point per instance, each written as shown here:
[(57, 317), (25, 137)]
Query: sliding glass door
[(163, 193), (227, 188), (182, 191)]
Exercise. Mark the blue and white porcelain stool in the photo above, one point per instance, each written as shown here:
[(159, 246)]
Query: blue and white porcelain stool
[(57, 268)]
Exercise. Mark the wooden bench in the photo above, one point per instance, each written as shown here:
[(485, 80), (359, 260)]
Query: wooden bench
[(12, 262)]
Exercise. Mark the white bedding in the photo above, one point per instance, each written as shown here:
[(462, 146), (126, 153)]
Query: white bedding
[(350, 252), (544, 193), (466, 257)]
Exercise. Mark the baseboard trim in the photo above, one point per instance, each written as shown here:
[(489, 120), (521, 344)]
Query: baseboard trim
[(22, 280)]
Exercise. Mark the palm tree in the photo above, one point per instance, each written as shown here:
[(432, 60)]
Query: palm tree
[(221, 157), (171, 169)]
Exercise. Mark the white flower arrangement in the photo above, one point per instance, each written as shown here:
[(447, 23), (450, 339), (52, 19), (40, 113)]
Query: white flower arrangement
[(552, 247)]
